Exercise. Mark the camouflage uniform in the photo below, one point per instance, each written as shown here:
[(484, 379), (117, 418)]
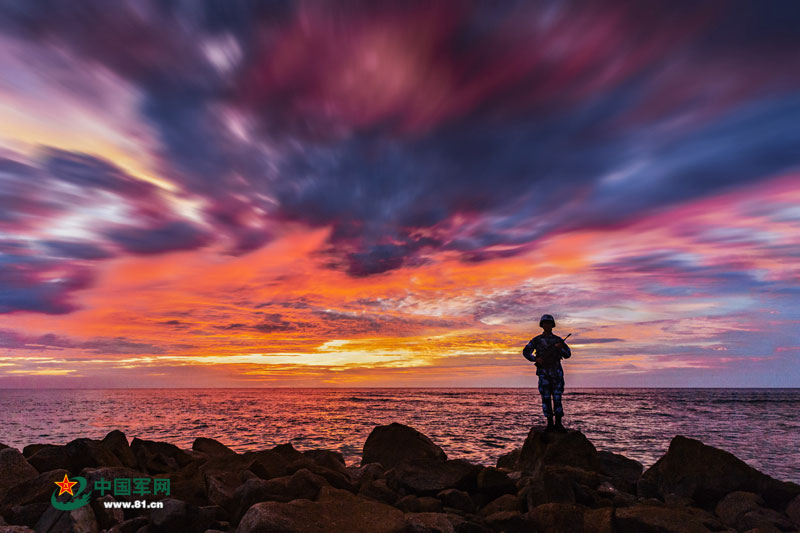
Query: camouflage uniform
[(551, 377)]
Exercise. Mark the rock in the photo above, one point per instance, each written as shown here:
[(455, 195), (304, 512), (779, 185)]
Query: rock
[(424, 504), (300, 485), (506, 502), (764, 518), (396, 444), (32, 490), (549, 485), (493, 482), (130, 526), (221, 487), (645, 518), (288, 452), (211, 447), (430, 477), (428, 523), (457, 499), (377, 489), (733, 506), (625, 472), (620, 498), (598, 520), (110, 473), (27, 515), (267, 464), (176, 515), (509, 460), (88, 453), (569, 449), (46, 457), (328, 459), (334, 510), (117, 443), (106, 517), (30, 449), (368, 472), (557, 517), (793, 510), (14, 468), (706, 474), (80, 520), (158, 457), (15, 529), (339, 479), (510, 522)]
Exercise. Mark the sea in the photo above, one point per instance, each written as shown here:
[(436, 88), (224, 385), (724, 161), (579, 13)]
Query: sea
[(760, 426)]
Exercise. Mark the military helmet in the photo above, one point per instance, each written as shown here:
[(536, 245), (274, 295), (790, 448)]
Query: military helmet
[(547, 318)]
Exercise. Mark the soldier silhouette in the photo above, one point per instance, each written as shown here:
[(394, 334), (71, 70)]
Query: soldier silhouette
[(549, 350)]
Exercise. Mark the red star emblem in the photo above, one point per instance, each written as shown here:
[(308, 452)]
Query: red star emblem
[(66, 486)]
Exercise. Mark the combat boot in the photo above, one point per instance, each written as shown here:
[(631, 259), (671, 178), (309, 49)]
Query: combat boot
[(550, 426), (559, 427)]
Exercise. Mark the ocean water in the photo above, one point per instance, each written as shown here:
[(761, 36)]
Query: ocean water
[(760, 426)]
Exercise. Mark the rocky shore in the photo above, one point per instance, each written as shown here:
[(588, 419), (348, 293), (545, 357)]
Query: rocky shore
[(556, 482)]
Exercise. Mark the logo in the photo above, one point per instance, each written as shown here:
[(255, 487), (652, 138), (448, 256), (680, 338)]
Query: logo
[(120, 487), (66, 486)]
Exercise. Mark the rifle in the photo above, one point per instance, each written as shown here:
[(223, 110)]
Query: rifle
[(545, 357)]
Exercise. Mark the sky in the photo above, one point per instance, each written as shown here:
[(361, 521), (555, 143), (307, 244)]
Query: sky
[(390, 194)]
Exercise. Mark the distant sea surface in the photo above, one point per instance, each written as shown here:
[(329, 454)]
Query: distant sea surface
[(760, 426)]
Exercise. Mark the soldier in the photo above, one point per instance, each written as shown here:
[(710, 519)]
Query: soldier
[(550, 349)]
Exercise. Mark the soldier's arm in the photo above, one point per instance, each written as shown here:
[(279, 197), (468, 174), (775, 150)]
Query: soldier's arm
[(566, 353)]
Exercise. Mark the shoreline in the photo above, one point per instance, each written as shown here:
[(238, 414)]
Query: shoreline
[(404, 482)]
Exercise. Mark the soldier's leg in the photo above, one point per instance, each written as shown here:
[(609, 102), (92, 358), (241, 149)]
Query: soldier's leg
[(545, 390), (558, 390)]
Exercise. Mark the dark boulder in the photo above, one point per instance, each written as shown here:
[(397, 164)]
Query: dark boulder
[(81, 519), (37, 489), (46, 457), (510, 522), (288, 452), (599, 520), (657, 519), (734, 505), (88, 453), (267, 464), (557, 517), (509, 460), (506, 502), (301, 485), (377, 489), (793, 511), (14, 469), (26, 515), (176, 515), (569, 449), (31, 449), (457, 499), (625, 472), (430, 477), (328, 459), (706, 474), (211, 447), (424, 504), (159, 457), (106, 517), (493, 482), (117, 442), (429, 523), (396, 444), (334, 510)]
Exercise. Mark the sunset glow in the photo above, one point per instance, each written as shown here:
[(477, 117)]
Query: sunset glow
[(393, 198)]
